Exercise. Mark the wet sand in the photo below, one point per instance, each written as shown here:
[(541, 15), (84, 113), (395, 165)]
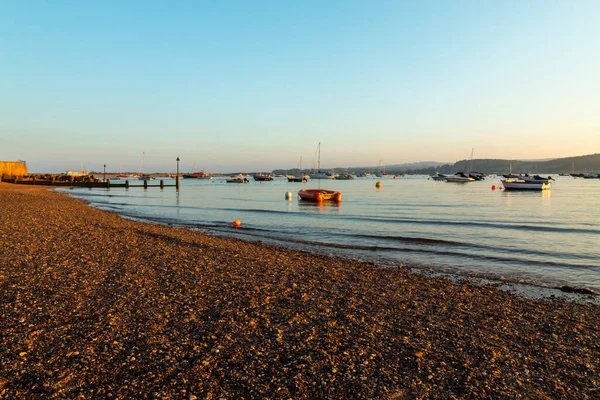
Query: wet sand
[(96, 306)]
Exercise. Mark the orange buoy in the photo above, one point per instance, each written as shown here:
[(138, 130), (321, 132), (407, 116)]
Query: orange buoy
[(493, 187), (394, 176), (378, 184), (236, 223)]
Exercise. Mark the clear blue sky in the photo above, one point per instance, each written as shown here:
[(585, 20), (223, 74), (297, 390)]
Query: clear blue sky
[(255, 85)]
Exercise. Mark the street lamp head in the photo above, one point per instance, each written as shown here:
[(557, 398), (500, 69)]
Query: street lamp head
[(177, 158)]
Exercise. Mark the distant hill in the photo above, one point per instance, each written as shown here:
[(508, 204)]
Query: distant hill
[(415, 165), (587, 163)]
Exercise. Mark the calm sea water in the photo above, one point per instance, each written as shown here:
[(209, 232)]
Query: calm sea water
[(548, 238)]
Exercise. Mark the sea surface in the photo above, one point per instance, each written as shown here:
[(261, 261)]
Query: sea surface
[(546, 239)]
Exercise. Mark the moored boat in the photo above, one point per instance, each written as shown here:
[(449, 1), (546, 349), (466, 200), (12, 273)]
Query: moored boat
[(238, 180), (323, 175), (438, 177), (591, 175), (262, 177), (197, 175), (510, 184), (297, 178), (300, 176), (535, 178), (345, 177), (478, 176), (318, 174), (319, 195), (459, 177)]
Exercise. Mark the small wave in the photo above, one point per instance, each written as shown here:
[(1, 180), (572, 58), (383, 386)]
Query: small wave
[(533, 228)]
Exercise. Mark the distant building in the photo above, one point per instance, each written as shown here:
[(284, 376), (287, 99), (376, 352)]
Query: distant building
[(13, 169)]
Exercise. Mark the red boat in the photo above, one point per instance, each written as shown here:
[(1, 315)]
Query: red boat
[(319, 195)]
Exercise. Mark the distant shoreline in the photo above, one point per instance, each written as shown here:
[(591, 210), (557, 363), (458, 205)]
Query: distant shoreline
[(95, 304)]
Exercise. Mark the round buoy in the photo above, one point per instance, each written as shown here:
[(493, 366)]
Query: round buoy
[(378, 184), (394, 176), (493, 187), (236, 223), (288, 195), (260, 182)]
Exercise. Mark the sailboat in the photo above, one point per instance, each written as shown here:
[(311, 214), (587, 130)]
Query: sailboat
[(381, 170), (319, 195), (462, 177), (318, 174), (510, 174), (197, 175), (300, 177), (573, 174), (478, 176), (144, 177), (121, 175)]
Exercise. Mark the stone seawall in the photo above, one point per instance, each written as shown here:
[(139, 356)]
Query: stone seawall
[(12, 168)]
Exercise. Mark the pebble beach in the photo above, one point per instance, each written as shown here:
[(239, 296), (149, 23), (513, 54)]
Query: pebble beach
[(93, 305)]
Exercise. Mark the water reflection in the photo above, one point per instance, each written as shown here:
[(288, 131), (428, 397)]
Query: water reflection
[(526, 193), (322, 207)]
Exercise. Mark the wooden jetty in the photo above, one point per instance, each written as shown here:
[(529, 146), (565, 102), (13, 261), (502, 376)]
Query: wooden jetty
[(107, 184)]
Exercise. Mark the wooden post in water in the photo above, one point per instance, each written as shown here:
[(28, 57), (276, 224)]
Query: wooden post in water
[(108, 183), (162, 184), (145, 184), (177, 176), (127, 184)]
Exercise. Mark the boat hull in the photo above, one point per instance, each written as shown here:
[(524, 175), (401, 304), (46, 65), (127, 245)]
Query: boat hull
[(522, 185), (458, 179), (296, 179), (319, 195), (263, 178)]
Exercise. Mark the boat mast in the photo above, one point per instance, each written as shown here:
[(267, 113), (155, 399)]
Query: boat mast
[(319, 159), (471, 164)]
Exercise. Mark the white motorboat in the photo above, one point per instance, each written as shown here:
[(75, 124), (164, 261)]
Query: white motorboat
[(524, 185), (459, 177)]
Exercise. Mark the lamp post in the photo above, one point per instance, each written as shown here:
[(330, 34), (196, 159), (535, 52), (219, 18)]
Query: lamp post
[(177, 176), (104, 172)]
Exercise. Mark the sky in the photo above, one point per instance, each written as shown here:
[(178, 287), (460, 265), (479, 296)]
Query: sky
[(256, 85)]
